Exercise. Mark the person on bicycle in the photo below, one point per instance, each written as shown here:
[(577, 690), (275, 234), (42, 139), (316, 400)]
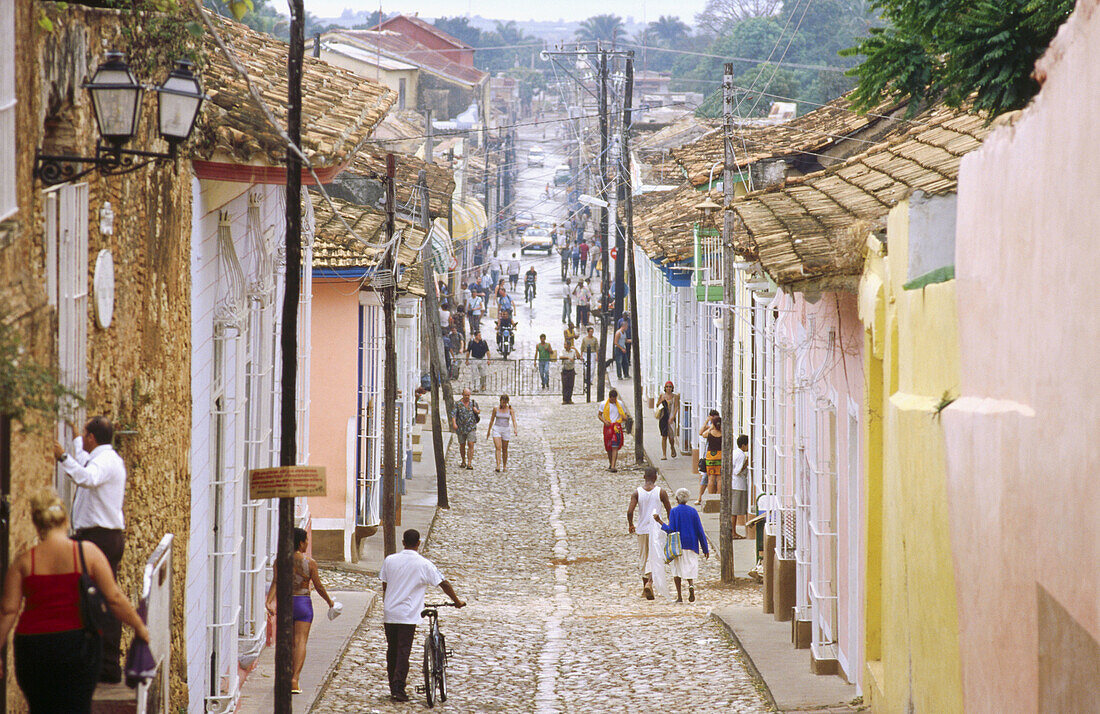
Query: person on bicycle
[(529, 279), (405, 577), (505, 322)]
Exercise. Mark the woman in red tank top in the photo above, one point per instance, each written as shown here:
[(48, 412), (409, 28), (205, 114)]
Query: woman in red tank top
[(57, 661)]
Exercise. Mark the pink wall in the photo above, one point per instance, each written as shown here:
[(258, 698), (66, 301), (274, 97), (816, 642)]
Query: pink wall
[(1022, 454), (835, 366), (333, 388)]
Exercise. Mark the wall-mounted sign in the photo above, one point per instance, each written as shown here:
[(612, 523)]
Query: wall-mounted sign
[(103, 285), (286, 482)]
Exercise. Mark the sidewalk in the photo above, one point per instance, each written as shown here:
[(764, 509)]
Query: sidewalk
[(678, 473), (784, 670), (327, 642)]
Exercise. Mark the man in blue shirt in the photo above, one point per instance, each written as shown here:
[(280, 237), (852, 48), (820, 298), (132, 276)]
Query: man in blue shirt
[(684, 519)]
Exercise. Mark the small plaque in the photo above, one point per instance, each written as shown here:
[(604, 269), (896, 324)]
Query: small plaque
[(286, 482)]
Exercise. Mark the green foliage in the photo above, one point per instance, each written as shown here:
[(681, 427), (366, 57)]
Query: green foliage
[(980, 52), (607, 29), (24, 384), (157, 37)]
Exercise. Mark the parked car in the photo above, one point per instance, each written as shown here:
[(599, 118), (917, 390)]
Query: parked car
[(562, 174), (536, 238), (523, 221), (535, 156)]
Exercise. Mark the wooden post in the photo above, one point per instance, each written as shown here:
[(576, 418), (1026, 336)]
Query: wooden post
[(605, 252), (729, 425), (635, 331), (5, 530), (434, 343), (389, 394), (284, 558)]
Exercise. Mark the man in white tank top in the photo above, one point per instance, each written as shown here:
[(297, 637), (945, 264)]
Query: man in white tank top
[(648, 499)]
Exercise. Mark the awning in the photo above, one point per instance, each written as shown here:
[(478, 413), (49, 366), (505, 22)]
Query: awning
[(468, 220), (442, 249)]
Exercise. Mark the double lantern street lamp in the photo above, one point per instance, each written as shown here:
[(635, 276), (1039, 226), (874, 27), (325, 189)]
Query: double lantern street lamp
[(116, 99)]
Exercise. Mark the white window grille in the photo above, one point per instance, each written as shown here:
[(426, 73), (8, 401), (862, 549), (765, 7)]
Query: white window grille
[(823, 531), (228, 437), (851, 648), (686, 368), (803, 481), (66, 216), (260, 415), (8, 197), (369, 443)]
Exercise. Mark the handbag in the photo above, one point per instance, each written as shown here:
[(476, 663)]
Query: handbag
[(93, 606), (673, 548), (141, 666), (702, 464), (628, 425)]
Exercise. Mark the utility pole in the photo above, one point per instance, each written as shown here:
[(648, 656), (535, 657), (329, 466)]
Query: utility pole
[(729, 425), (429, 145), (605, 253), (635, 331), (288, 340), (434, 342), (389, 393)]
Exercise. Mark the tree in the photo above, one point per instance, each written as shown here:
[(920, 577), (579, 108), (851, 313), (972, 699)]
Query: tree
[(718, 15), (460, 28), (668, 30), (603, 28), (976, 52)]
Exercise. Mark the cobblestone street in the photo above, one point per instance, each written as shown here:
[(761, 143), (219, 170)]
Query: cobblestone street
[(555, 620)]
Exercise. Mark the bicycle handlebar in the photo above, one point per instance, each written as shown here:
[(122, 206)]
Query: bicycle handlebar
[(442, 604)]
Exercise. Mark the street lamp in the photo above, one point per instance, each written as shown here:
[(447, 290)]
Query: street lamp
[(116, 100)]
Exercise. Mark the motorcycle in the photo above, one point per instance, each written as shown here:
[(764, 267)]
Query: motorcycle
[(505, 341)]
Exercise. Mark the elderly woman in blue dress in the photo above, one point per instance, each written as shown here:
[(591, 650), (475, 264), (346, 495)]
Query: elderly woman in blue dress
[(684, 519)]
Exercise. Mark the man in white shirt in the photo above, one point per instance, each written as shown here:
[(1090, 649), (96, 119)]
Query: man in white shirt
[(473, 311), (740, 483), (513, 272), (405, 576), (100, 477)]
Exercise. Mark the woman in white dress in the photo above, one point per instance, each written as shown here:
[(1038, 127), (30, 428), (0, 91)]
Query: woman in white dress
[(502, 427)]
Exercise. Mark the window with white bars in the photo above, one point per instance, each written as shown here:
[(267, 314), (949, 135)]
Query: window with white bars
[(67, 286), (369, 442), (8, 204)]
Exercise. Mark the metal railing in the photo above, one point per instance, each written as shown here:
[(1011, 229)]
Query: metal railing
[(524, 378), (156, 596)]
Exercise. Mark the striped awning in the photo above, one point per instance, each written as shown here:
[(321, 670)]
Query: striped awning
[(468, 220)]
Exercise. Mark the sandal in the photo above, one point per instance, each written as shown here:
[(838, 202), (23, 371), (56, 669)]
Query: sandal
[(647, 592), (691, 593)]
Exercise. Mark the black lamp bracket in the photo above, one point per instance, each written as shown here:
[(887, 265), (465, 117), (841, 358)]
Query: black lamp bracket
[(54, 169)]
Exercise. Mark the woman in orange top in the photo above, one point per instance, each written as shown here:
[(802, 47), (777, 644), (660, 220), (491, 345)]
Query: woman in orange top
[(57, 661)]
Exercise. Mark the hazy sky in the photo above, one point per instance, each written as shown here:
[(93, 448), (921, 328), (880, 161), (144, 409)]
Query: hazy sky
[(569, 10)]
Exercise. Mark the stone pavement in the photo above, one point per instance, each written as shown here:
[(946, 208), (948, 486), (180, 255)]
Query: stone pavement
[(680, 472), (555, 621)]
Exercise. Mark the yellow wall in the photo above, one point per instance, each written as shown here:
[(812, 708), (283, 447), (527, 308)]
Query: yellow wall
[(911, 623)]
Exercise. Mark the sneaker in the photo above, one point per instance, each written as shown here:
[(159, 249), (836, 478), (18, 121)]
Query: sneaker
[(399, 697)]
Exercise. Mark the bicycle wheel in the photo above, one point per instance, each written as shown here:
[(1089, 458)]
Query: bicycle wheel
[(429, 679), (441, 671)]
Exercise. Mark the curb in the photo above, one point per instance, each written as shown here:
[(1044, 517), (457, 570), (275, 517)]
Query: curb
[(746, 658)]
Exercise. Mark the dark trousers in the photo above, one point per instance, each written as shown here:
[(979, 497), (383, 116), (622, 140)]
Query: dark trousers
[(112, 543), (568, 376), (58, 671), (399, 642), (582, 315)]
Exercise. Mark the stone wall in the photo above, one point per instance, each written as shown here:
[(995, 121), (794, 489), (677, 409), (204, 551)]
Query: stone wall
[(139, 367)]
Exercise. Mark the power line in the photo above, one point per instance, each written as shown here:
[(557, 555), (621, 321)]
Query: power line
[(818, 67)]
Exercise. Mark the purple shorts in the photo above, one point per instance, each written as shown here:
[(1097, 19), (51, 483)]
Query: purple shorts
[(303, 608)]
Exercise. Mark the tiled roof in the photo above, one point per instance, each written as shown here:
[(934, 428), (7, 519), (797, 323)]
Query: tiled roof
[(371, 161), (339, 109), (334, 247), (446, 37), (812, 133), (799, 231), (663, 221), (405, 48)]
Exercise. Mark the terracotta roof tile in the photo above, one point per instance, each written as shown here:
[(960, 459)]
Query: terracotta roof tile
[(801, 231), (813, 133), (393, 44), (371, 161), (339, 109), (334, 247)]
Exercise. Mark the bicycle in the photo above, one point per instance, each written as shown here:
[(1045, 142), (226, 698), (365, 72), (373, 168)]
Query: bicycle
[(529, 294), (435, 656)]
